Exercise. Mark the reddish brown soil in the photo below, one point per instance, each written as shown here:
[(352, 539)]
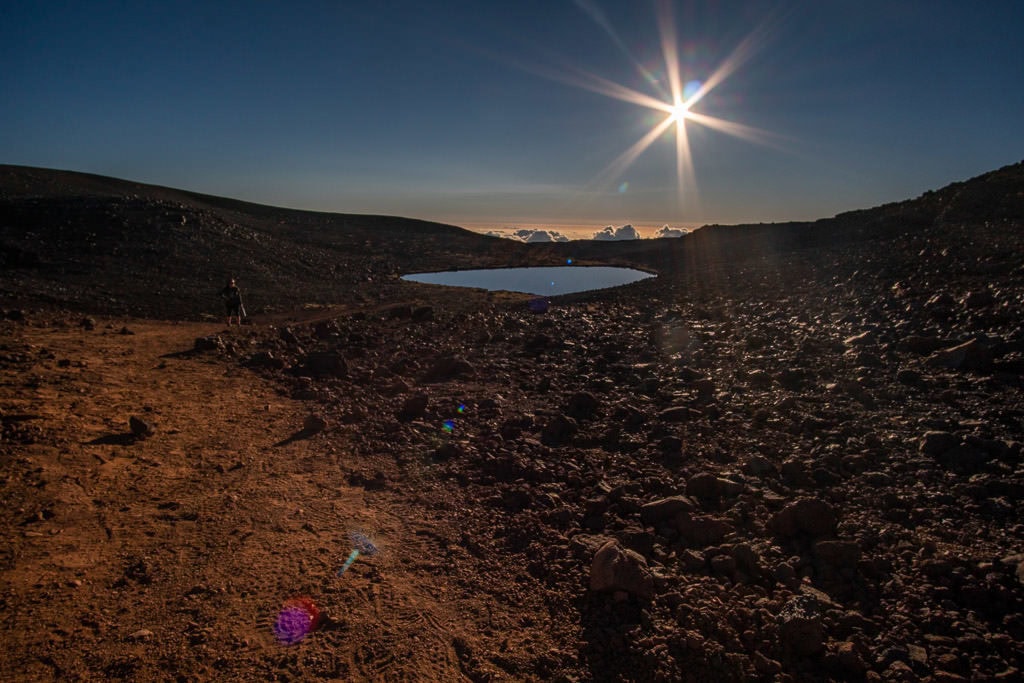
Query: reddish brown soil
[(169, 557), (799, 448)]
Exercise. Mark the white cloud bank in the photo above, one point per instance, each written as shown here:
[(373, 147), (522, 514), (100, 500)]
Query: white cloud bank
[(607, 234), (530, 235)]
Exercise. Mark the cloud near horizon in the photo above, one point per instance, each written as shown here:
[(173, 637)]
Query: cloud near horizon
[(612, 234), (666, 231)]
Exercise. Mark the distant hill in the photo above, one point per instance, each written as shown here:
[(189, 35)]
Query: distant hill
[(994, 197), (101, 244), (97, 244)]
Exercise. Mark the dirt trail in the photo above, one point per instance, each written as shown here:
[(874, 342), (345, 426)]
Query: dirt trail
[(169, 557)]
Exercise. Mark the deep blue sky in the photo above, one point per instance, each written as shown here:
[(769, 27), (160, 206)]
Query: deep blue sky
[(446, 110)]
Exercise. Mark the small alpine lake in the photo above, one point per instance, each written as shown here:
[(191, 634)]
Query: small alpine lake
[(542, 281)]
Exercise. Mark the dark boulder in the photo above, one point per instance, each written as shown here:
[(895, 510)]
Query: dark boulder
[(324, 364), (811, 516)]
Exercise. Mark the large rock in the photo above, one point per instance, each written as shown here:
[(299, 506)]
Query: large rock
[(800, 627), (618, 569), (665, 509), (811, 516), (937, 443)]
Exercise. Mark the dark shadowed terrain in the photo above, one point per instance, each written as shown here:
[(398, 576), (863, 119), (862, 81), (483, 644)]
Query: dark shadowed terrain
[(794, 455)]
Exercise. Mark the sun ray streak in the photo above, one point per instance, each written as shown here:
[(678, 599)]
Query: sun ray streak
[(611, 89), (737, 130), (624, 160), (739, 55), (670, 49), (685, 176)]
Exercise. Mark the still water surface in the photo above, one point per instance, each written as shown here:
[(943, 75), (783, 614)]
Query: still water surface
[(548, 281)]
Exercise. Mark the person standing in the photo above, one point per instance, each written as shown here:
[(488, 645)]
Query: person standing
[(232, 301)]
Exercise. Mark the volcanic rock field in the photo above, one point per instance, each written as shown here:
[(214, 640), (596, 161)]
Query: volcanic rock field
[(794, 455)]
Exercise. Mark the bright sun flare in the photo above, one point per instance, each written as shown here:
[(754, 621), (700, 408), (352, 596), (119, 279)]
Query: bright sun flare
[(677, 101)]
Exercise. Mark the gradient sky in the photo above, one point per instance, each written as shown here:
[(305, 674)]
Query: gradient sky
[(462, 111)]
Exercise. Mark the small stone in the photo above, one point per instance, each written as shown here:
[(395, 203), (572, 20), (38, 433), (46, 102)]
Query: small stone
[(582, 406), (141, 428), (839, 554), (747, 559), (918, 655), (415, 406), (862, 339), (900, 671), (723, 564), (709, 487), (701, 531), (325, 364), (559, 431), (210, 343), (760, 466), (448, 368), (314, 424)]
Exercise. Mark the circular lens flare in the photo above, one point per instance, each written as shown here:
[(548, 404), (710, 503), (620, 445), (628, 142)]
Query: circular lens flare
[(691, 88)]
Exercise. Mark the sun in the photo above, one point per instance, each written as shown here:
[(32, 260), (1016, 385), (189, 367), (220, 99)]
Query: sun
[(680, 112)]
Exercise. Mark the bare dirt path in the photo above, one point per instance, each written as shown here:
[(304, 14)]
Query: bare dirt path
[(169, 557)]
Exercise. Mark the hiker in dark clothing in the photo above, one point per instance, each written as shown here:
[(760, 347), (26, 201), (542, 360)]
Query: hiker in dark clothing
[(232, 301)]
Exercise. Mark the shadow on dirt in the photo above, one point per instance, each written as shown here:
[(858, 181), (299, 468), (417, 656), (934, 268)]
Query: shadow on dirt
[(297, 436), (114, 440)]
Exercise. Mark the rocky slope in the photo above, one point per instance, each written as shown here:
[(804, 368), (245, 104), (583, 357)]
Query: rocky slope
[(796, 457)]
